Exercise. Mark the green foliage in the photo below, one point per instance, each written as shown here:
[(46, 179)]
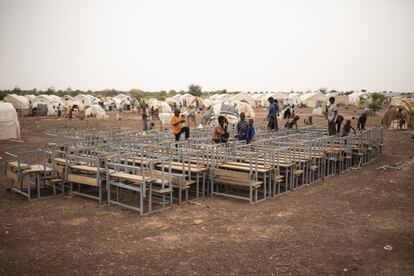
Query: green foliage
[(376, 101), (136, 93), (195, 90), (2, 95)]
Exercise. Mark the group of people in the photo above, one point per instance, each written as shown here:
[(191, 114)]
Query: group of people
[(335, 121), (245, 130)]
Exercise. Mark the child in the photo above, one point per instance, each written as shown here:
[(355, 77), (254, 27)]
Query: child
[(308, 121), (293, 122), (362, 120), (251, 131), (347, 128), (220, 134), (338, 123)]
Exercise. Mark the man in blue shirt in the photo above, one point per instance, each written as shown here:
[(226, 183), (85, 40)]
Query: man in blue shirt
[(272, 115)]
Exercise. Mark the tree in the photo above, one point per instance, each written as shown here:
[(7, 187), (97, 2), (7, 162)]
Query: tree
[(136, 93), (376, 101), (195, 90)]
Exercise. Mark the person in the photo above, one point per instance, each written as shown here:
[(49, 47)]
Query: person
[(308, 121), (144, 119), (332, 113), (272, 115), (71, 112), (292, 122), (399, 115), (220, 134), (251, 131), (152, 126), (362, 121), (152, 113), (176, 126), (242, 127), (288, 112), (347, 128), (338, 123), (59, 111)]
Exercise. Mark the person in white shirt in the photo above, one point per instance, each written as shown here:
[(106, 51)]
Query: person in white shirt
[(332, 116)]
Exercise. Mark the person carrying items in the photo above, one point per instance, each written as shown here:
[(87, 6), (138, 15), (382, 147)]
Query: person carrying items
[(292, 123), (347, 129), (332, 113), (176, 126)]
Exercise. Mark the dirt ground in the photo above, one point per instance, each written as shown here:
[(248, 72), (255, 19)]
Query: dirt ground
[(335, 227)]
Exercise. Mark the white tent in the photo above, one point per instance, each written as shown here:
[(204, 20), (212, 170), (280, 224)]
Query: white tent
[(67, 97), (18, 102), (241, 97), (246, 108), (121, 101), (9, 124), (187, 100), (162, 107), (340, 98), (282, 98), (97, 111), (30, 97), (312, 99), (82, 100), (354, 98), (294, 98)]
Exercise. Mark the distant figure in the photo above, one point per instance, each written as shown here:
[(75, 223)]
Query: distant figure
[(59, 111), (71, 113), (338, 123), (347, 128), (152, 126), (220, 134), (292, 123), (152, 113), (308, 121), (144, 119), (242, 128), (272, 115), (332, 113), (176, 126), (362, 121), (399, 115)]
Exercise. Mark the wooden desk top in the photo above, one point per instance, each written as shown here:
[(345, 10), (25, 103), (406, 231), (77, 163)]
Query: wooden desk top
[(132, 177)]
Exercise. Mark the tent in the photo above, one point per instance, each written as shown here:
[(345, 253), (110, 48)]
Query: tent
[(340, 98), (97, 111), (281, 97), (122, 101), (354, 98), (187, 100), (9, 124), (294, 98), (312, 99), (227, 111), (161, 107), (18, 102), (407, 104), (246, 108), (241, 97), (30, 97)]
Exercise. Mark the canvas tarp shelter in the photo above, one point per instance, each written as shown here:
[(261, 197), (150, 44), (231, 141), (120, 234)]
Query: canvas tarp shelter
[(227, 111), (18, 102), (97, 111), (241, 97), (246, 108), (407, 104), (312, 99), (9, 123)]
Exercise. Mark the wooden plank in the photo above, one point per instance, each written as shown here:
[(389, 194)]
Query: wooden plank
[(82, 179), (131, 177)]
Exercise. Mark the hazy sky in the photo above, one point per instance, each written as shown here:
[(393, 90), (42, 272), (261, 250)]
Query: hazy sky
[(254, 45)]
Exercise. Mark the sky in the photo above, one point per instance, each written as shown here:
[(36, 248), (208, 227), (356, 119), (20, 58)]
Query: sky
[(256, 45)]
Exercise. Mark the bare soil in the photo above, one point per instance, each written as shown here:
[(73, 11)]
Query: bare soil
[(335, 227)]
